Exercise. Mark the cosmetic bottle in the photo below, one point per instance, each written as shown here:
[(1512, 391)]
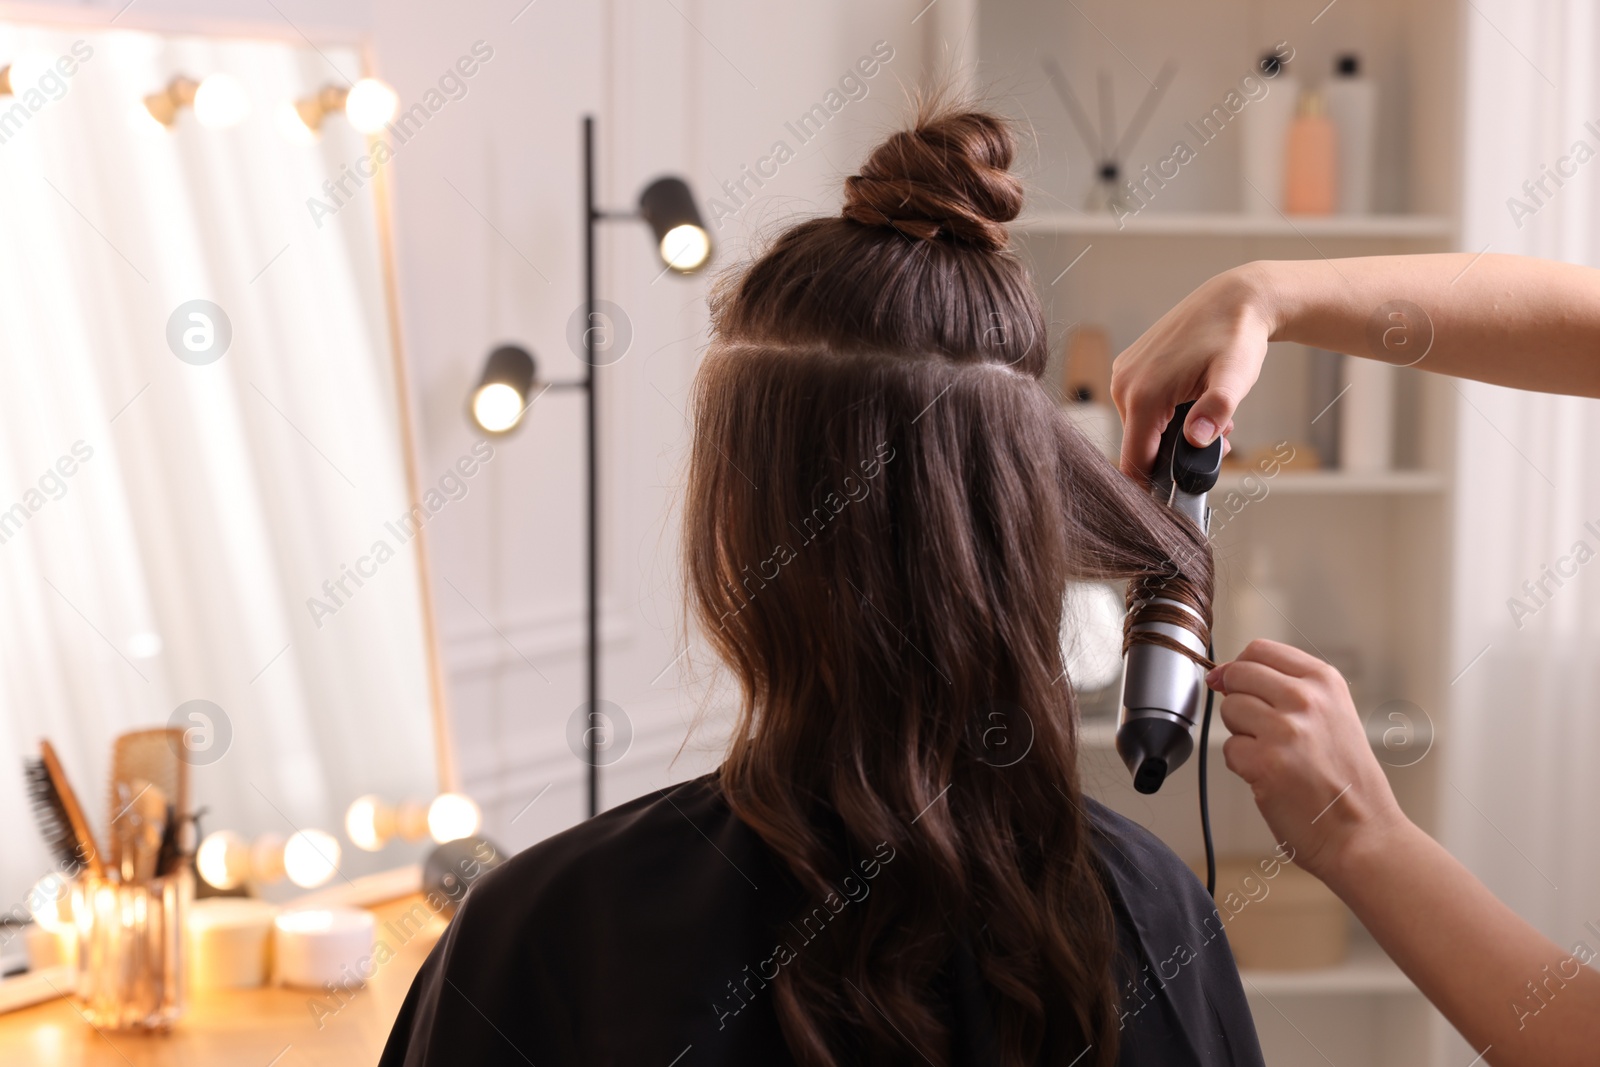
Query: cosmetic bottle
[(1265, 127), (1310, 178), (1325, 378), (1366, 422), (1086, 389), (1259, 606), (1352, 102)]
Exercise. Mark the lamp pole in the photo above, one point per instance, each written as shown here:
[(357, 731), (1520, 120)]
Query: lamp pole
[(592, 217), (667, 206)]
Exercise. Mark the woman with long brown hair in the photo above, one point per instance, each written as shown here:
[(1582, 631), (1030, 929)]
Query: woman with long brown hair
[(895, 864)]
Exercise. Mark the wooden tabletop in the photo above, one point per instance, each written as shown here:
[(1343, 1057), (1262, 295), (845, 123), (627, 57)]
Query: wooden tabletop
[(236, 1028)]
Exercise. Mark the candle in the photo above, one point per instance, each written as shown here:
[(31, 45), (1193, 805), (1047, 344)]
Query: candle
[(230, 942), (314, 947)]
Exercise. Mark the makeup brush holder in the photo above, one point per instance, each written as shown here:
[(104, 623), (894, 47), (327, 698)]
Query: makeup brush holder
[(130, 950)]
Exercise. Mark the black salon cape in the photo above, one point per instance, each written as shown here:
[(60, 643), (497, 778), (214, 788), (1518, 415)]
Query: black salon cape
[(615, 943)]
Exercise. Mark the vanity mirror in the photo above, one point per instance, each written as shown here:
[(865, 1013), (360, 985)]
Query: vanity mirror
[(209, 513)]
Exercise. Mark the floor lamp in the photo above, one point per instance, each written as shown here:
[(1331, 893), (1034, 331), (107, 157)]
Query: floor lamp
[(510, 383)]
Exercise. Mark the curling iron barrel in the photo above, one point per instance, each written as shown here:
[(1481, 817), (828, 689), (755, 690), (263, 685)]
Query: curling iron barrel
[(1163, 689)]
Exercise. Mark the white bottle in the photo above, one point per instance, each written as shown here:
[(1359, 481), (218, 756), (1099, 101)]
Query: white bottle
[(1265, 126), (1261, 608), (1366, 416), (1352, 103)]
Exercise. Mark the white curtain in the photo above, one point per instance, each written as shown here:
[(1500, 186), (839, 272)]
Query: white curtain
[(204, 504), (1523, 743)]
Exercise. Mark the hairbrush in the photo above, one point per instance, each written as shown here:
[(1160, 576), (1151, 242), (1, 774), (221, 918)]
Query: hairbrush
[(58, 813), (143, 758)]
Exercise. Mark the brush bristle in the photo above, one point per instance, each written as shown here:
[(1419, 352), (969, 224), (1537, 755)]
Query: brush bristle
[(51, 816)]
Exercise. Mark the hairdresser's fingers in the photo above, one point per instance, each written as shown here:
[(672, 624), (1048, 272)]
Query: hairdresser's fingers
[(1242, 753), (1309, 765), (1228, 379), (1249, 678), (1144, 420), (1248, 716), (1284, 658)]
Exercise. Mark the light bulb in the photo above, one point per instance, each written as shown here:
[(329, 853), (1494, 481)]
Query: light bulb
[(266, 858), (310, 858), (452, 816), (685, 247), (220, 102), (24, 72), (369, 823), (370, 105), (497, 407), (286, 117), (411, 821), (48, 903), (223, 859)]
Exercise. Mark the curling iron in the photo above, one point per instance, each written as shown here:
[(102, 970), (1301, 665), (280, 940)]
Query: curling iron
[(1162, 688)]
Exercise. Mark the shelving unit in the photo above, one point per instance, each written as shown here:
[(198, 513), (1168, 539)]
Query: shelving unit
[(1358, 559), (1367, 972), (1202, 224), (1339, 483)]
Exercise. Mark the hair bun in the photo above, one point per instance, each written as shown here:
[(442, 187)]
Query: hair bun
[(946, 177)]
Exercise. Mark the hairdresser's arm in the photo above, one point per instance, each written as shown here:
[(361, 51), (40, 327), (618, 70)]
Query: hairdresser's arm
[(1299, 743), (1526, 323)]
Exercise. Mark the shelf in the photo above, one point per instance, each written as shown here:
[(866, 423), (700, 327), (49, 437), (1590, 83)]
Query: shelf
[(1368, 971), (1413, 227), (1335, 483)]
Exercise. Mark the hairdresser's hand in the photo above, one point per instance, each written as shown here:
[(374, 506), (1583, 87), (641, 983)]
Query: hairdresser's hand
[(1299, 743), (1207, 349)]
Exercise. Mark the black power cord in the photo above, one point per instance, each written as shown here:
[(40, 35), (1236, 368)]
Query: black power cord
[(1205, 797)]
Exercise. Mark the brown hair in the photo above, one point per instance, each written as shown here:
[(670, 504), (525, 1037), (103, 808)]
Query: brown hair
[(884, 509)]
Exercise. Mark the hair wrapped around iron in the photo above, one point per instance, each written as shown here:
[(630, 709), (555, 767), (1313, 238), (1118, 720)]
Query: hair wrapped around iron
[(884, 509), (1145, 605)]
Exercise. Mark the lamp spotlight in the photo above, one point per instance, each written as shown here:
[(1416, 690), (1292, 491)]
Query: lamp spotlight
[(369, 104), (178, 94), (219, 101), (23, 73), (503, 390), (681, 238)]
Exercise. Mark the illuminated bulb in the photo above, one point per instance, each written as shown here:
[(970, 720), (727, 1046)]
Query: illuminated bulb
[(310, 858), (266, 858), (411, 821), (23, 73), (292, 125), (369, 823), (220, 102), (223, 860), (497, 407), (452, 816), (48, 903), (143, 121), (370, 105), (685, 247)]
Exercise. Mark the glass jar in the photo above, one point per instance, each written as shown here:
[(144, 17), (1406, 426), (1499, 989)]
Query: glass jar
[(130, 950)]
